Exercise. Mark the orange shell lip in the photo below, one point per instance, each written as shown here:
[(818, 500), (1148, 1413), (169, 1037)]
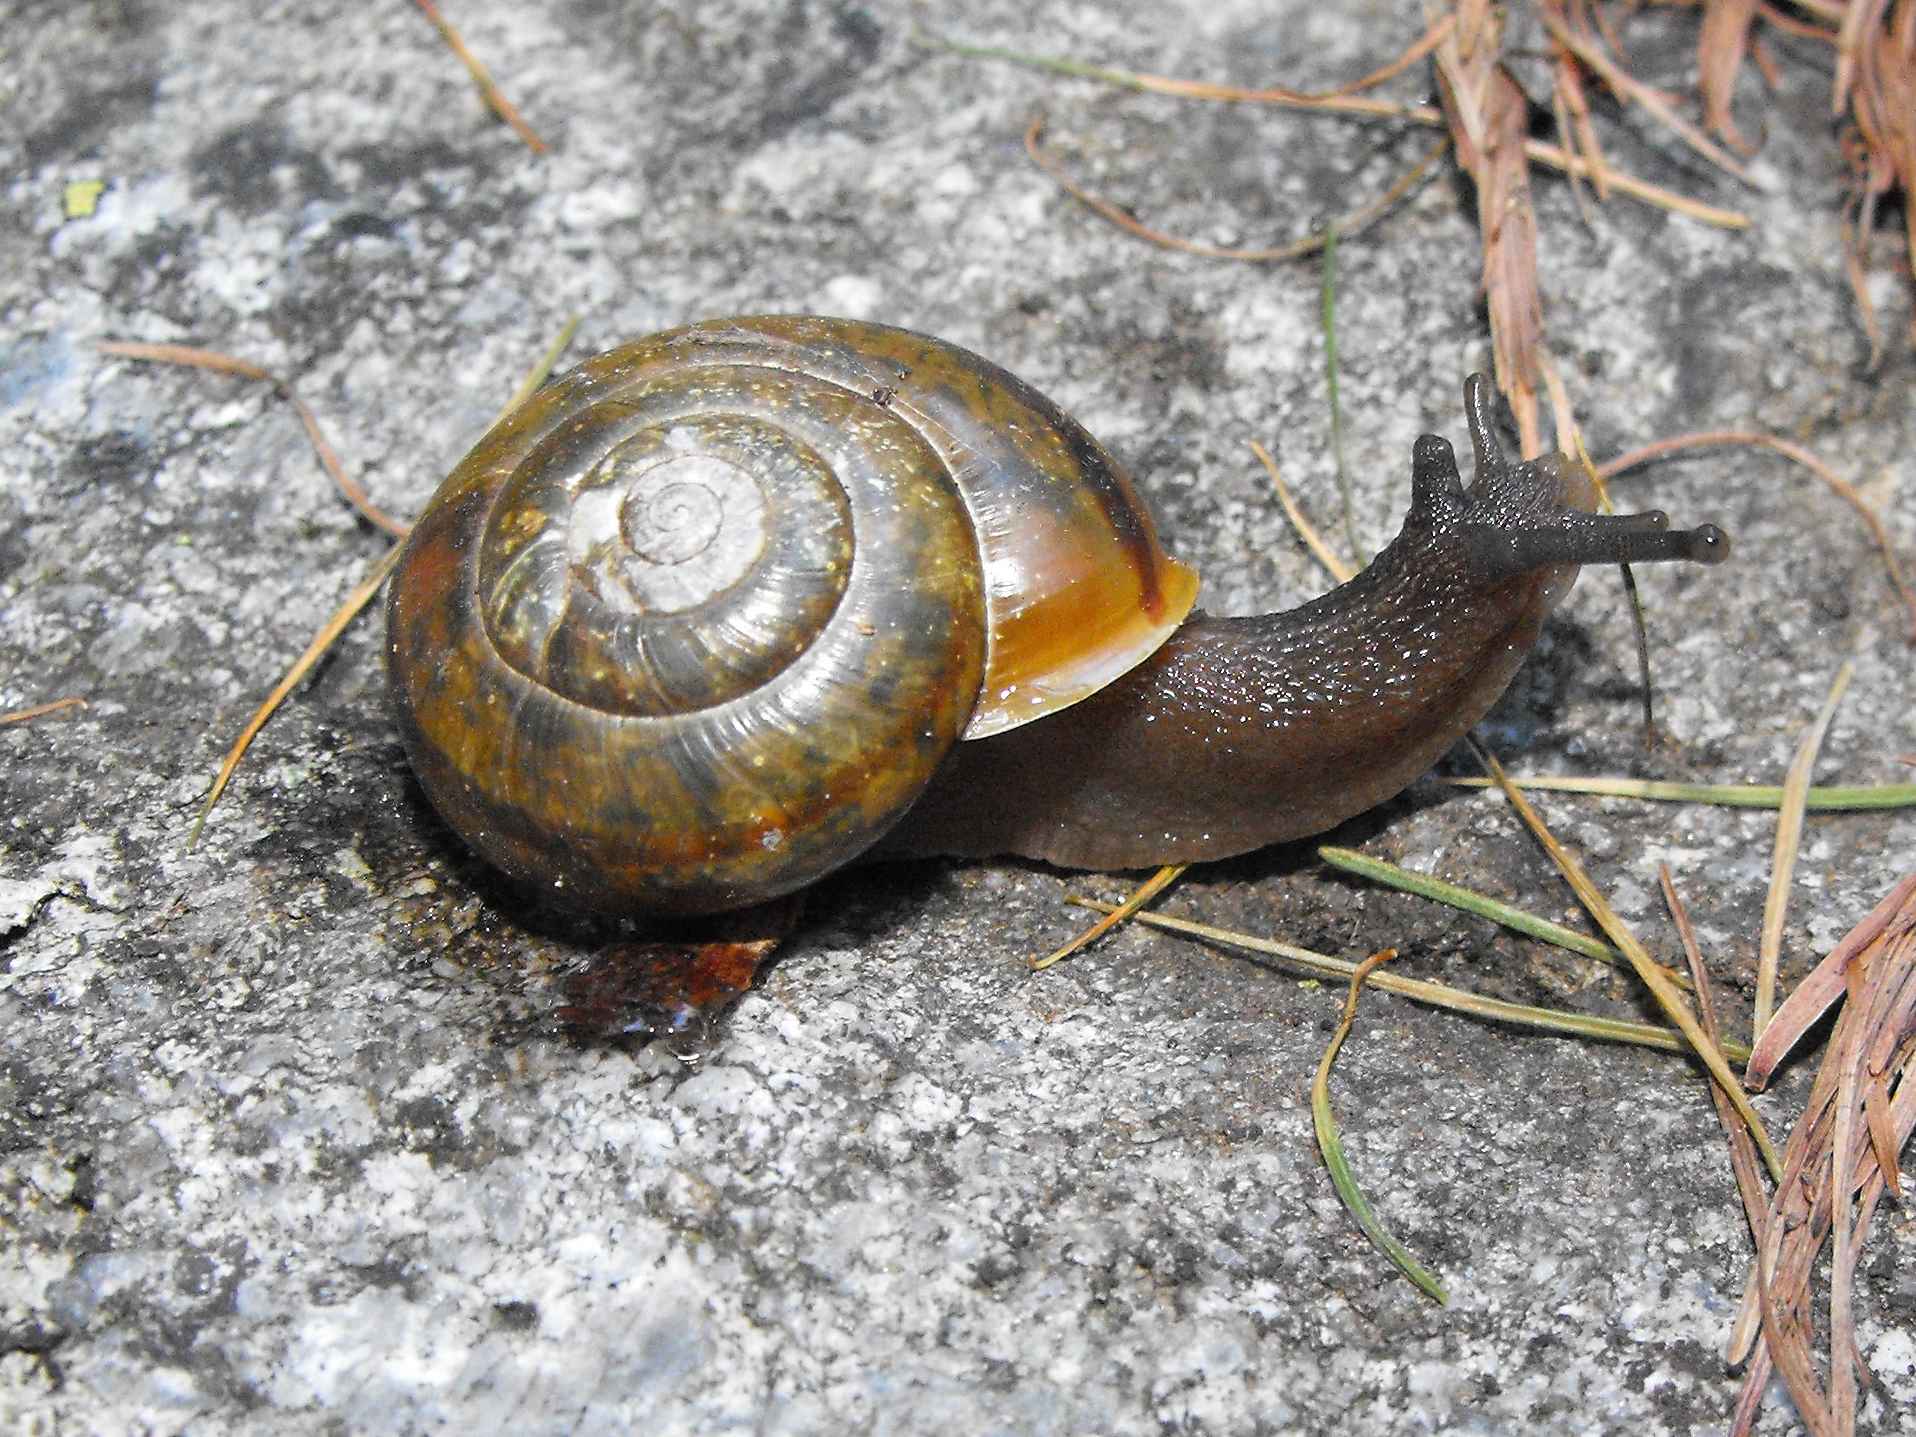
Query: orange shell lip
[(1077, 640)]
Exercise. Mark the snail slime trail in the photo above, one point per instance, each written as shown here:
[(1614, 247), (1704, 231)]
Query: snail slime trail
[(721, 610)]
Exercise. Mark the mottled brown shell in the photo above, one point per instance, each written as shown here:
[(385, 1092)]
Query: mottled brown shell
[(697, 623)]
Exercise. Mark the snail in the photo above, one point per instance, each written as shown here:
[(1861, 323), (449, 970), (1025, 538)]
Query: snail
[(724, 609)]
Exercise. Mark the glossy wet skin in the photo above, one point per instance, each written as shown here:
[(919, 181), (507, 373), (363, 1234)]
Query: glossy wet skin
[(1243, 732), (1240, 733)]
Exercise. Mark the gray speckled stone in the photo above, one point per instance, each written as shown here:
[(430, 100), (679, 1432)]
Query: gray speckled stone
[(285, 1144)]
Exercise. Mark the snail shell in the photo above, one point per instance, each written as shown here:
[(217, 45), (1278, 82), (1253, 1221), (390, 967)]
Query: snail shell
[(706, 619), (697, 623)]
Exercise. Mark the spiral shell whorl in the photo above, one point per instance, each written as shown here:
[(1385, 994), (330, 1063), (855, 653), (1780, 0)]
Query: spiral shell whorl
[(640, 657), (670, 567)]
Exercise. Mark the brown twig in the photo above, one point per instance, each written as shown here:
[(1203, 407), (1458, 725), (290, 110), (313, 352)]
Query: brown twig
[(52, 706), (1488, 117), (1834, 1172), (1797, 454), (1626, 87), (1722, 42), (1123, 912), (1337, 567), (355, 493), (1342, 99), (1789, 833), (1794, 24), (1571, 108), (1814, 996), (1650, 973), (494, 96), (1308, 244), (1876, 76), (302, 666), (1556, 158), (1749, 1180), (1337, 102)]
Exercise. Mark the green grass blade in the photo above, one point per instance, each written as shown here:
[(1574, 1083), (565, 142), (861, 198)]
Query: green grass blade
[(1331, 1145), (1727, 795)]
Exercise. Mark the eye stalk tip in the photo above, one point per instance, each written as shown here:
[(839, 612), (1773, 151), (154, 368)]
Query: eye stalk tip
[(1706, 544)]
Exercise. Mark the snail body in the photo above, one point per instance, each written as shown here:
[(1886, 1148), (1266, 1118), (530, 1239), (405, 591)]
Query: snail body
[(722, 610)]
